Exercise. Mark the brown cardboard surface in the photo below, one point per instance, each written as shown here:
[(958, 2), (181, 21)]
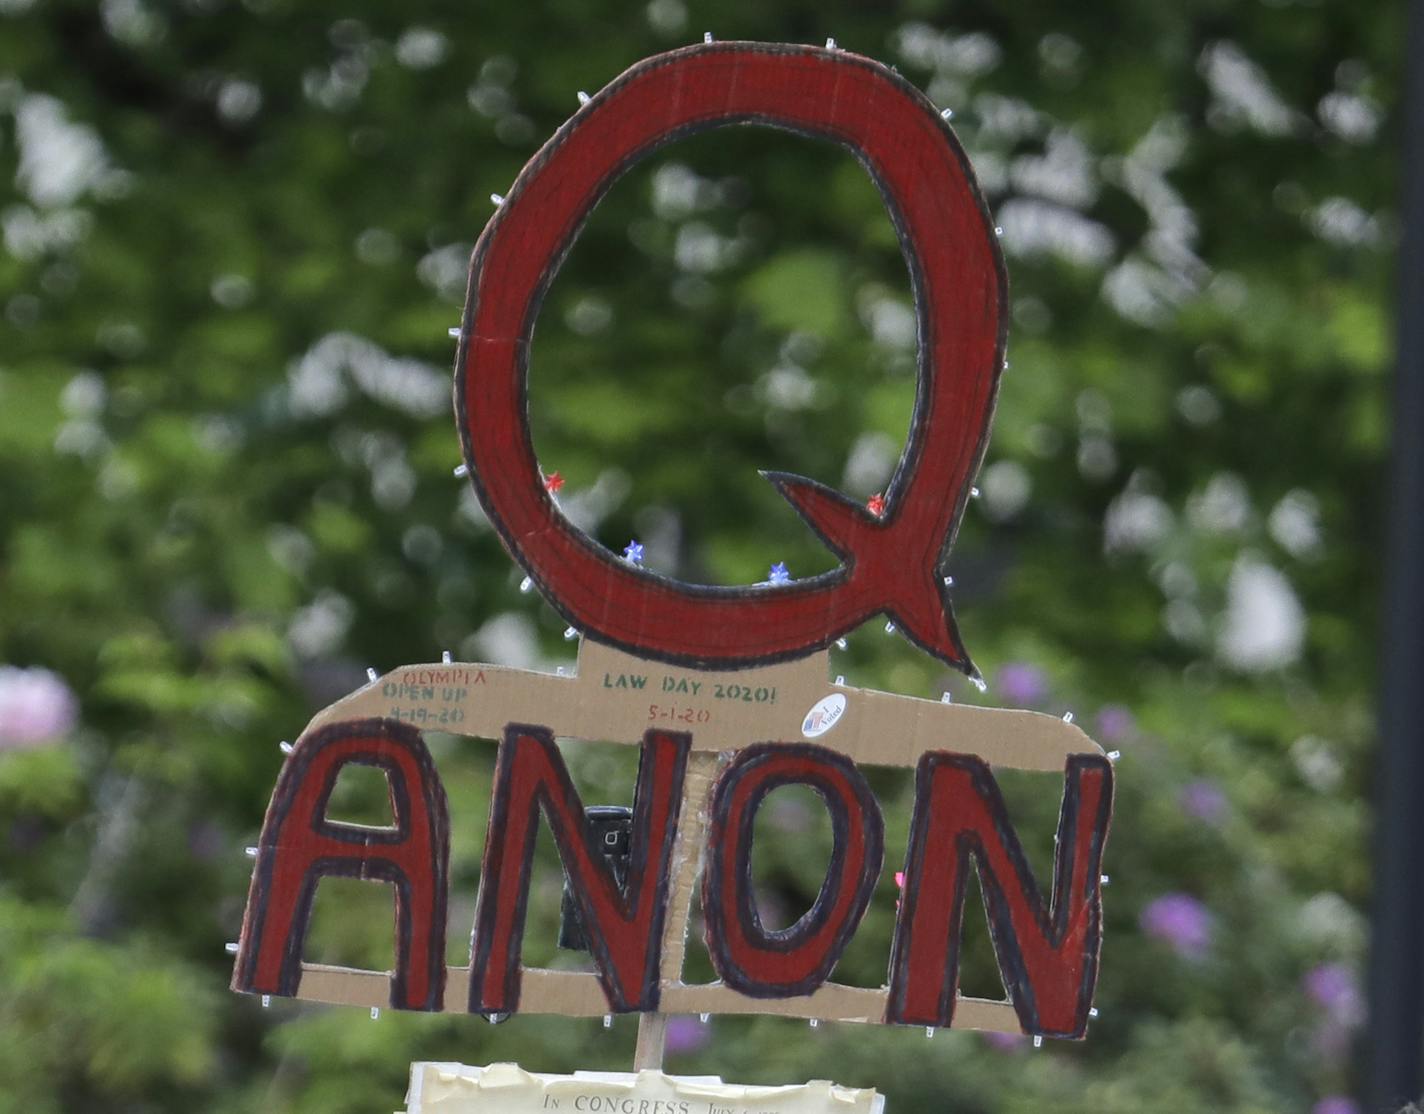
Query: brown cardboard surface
[(614, 697), (578, 994)]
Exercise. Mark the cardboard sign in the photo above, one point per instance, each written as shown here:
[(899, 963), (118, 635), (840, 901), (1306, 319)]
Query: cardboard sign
[(724, 690)]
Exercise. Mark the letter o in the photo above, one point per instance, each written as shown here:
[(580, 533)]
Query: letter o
[(789, 962)]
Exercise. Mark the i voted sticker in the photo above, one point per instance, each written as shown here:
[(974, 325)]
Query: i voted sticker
[(824, 715)]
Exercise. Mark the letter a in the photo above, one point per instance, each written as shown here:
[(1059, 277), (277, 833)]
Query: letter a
[(299, 846)]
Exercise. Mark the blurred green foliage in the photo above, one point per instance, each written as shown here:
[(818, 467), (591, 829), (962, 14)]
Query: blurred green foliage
[(235, 238)]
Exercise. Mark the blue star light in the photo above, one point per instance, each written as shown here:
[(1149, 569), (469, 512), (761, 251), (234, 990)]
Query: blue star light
[(633, 552), (778, 574)]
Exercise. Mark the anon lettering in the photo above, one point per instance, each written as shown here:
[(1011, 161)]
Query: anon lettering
[(1047, 946)]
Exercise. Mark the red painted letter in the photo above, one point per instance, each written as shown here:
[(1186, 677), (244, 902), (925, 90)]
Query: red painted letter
[(891, 559), (299, 846), (1048, 957), (784, 963), (624, 927)]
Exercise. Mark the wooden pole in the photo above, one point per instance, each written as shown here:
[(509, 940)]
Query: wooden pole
[(702, 767), (652, 1042)]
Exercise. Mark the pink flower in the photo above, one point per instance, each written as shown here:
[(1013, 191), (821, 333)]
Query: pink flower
[(1203, 800), (687, 1034), (36, 707), (1179, 921), (1336, 1104), (1021, 683)]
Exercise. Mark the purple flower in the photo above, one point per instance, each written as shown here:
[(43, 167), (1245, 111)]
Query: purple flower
[(26, 832), (1336, 1104), (1180, 921), (1021, 683), (789, 814), (1333, 987), (1115, 723), (687, 1034), (36, 707), (1005, 1042), (1203, 800), (206, 841), (1330, 1042), (772, 908)]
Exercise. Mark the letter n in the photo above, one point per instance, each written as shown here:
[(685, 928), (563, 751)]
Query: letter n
[(1048, 954), (785, 963), (299, 846), (624, 927)]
